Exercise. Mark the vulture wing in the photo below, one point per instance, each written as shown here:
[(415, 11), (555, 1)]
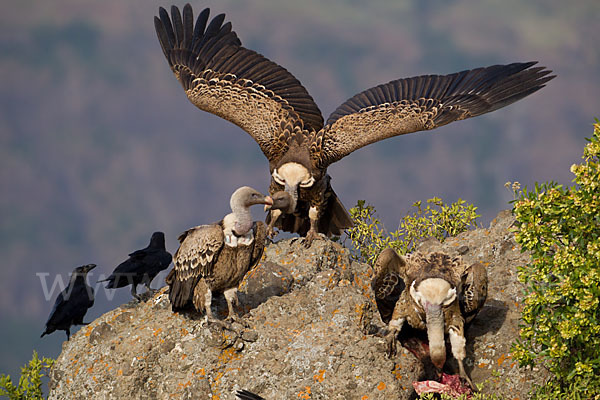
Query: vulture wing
[(473, 290), (198, 250), (260, 238), (388, 281), (425, 102), (194, 259), (224, 78)]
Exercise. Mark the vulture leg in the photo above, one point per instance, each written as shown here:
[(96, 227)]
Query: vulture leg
[(457, 342), (394, 327), (232, 299), (312, 233), (68, 332), (207, 302), (275, 214)]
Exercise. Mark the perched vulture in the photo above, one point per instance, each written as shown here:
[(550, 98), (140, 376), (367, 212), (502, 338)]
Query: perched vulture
[(431, 292), (142, 266), (214, 258), (72, 303), (224, 78)]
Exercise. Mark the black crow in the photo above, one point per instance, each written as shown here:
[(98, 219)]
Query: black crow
[(72, 303), (142, 266)]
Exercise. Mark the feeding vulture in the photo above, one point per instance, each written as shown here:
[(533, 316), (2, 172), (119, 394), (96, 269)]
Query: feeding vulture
[(142, 266), (431, 292), (224, 78), (214, 258), (72, 303)]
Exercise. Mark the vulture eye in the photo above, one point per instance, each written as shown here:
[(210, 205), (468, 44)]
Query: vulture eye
[(278, 178), (307, 183)]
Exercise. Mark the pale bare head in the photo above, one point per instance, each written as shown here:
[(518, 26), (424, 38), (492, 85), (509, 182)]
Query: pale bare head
[(433, 292), (293, 175), (246, 197)]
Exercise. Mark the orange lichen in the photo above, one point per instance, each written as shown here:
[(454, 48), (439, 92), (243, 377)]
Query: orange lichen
[(184, 332), (365, 397), (305, 394), (396, 371), (319, 377), (228, 355), (381, 386), (157, 331), (502, 358), (120, 372), (201, 372)]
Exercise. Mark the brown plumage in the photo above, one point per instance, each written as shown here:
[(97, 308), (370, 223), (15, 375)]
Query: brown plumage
[(431, 292), (208, 262), (224, 78)]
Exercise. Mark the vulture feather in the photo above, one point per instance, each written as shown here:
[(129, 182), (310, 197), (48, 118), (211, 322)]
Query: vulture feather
[(222, 77)]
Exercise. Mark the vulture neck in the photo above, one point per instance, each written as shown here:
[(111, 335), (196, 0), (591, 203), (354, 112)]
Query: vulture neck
[(242, 217), (435, 334)]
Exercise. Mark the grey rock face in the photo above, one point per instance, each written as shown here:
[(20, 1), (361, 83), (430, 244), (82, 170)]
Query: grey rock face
[(306, 313)]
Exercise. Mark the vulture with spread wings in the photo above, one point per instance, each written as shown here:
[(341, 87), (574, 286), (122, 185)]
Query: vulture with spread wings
[(264, 99)]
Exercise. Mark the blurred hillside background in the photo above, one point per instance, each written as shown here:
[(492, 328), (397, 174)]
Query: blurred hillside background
[(99, 146)]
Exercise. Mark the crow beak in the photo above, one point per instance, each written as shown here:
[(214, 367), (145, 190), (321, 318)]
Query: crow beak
[(90, 267)]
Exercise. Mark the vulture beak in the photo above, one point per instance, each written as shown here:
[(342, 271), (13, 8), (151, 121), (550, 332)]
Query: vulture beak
[(268, 203)]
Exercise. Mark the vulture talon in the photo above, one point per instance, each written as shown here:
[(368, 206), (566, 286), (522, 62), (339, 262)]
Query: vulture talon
[(391, 344), (310, 236)]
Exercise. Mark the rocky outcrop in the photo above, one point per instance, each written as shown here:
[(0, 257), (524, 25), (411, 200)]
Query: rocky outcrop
[(304, 334)]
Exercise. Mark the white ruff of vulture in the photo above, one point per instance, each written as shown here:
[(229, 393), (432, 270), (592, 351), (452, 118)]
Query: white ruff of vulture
[(206, 262), (142, 266), (430, 292), (264, 99), (72, 303)]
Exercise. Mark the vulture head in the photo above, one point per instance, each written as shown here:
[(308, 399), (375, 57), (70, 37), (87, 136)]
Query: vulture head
[(291, 176), (245, 197), (281, 201), (432, 295)]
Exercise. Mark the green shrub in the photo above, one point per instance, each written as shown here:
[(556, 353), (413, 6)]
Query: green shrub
[(369, 238), (561, 316), (30, 383)]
